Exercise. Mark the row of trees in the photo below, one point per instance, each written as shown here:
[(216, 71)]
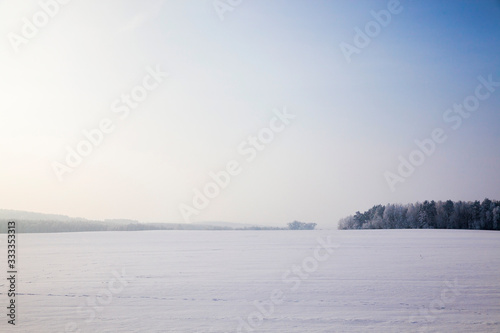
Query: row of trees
[(427, 215), (42, 226), (296, 225), (27, 226)]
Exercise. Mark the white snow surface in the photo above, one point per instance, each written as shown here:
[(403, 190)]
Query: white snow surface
[(249, 281)]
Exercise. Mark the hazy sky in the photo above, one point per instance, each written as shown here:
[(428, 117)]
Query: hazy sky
[(231, 68)]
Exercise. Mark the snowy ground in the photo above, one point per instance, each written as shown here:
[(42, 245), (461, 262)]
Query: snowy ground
[(257, 281)]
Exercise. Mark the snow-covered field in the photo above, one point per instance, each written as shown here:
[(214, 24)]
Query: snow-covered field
[(257, 281)]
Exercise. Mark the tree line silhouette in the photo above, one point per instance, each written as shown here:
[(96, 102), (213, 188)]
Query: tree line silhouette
[(448, 214), (50, 226)]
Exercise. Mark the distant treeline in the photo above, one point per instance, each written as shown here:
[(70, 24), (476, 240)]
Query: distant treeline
[(47, 226), (260, 228), (428, 215), (30, 226), (31, 222)]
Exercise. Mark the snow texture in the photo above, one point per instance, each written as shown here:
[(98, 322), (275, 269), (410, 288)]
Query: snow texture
[(257, 281)]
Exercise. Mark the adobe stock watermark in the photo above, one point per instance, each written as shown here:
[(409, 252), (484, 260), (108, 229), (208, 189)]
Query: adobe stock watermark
[(293, 278), (31, 27), (453, 116), (122, 107), (96, 303), (363, 37), (248, 149), (437, 306), (223, 6)]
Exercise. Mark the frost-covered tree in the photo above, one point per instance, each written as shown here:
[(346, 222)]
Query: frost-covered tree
[(429, 214), (496, 218), (296, 225)]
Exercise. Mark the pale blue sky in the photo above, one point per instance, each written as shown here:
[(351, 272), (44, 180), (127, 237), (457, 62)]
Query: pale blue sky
[(225, 79)]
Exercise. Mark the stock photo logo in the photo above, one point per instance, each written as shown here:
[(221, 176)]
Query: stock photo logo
[(122, 107), (429, 313), (31, 26), (249, 149), (453, 117), (221, 7), (96, 303), (293, 278), (372, 29)]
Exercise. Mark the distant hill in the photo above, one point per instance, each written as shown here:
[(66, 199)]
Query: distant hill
[(23, 215), (32, 222)]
